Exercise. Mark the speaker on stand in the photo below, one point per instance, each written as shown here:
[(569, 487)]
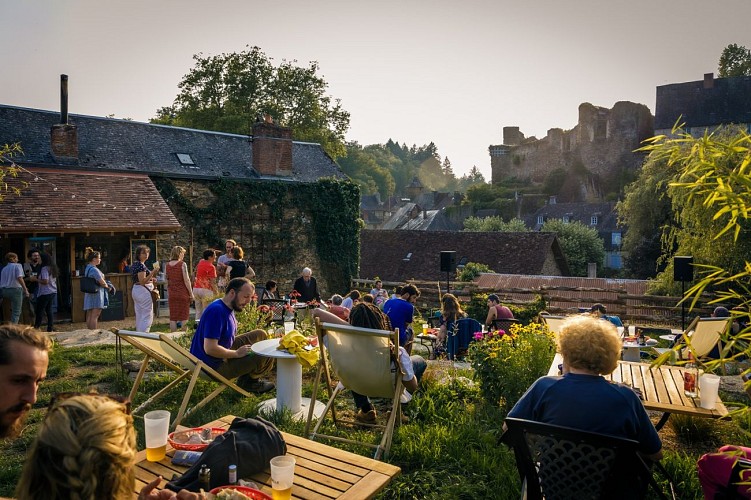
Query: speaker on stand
[(448, 265), (683, 271)]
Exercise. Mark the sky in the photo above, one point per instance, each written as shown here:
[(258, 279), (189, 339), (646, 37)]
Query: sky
[(454, 73)]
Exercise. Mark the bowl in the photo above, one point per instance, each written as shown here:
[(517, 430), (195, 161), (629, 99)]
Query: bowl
[(251, 492), (215, 431)]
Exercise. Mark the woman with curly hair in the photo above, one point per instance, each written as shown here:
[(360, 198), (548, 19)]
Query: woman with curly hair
[(85, 450), (451, 311)]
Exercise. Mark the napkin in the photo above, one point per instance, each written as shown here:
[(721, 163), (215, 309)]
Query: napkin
[(295, 342)]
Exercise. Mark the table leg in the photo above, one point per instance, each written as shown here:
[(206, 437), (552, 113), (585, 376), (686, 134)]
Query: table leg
[(663, 420), (288, 384)]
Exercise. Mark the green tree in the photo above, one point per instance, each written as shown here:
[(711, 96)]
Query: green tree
[(734, 61), (581, 244), (482, 224), (228, 92), (9, 169)]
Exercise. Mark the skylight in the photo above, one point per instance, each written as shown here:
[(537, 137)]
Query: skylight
[(185, 159)]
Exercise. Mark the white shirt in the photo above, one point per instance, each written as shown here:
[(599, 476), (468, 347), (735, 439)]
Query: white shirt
[(11, 273)]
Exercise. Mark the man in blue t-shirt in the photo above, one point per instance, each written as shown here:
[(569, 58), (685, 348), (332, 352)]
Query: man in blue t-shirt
[(215, 342), (401, 310)]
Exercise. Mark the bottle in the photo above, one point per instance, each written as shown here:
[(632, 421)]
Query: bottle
[(690, 377), (233, 474), (642, 340), (204, 478)]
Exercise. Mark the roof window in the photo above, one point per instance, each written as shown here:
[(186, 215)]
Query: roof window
[(185, 159)]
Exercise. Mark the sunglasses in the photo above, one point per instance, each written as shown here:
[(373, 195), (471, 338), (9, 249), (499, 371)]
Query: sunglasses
[(62, 396)]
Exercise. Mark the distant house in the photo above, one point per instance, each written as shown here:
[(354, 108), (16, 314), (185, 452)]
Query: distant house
[(375, 212), (412, 216), (704, 104), (599, 216), (399, 255)]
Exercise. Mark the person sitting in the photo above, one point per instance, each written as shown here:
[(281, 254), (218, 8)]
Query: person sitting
[(401, 312), (367, 315), (216, 344), (496, 310), (368, 299), (380, 296), (599, 311), (582, 398), (715, 471), (270, 291), (86, 448), (337, 308), (351, 299), (451, 311)]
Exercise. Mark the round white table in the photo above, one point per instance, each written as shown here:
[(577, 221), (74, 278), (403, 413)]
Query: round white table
[(669, 338), (288, 381)]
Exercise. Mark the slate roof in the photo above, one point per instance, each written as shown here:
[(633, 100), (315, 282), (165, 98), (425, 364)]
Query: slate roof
[(728, 101), (76, 201), (607, 218), (400, 255), (107, 144), (411, 216)]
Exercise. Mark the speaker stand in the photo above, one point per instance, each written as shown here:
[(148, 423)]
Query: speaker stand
[(683, 305), (448, 281)]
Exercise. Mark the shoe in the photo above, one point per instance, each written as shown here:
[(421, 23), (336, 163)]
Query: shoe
[(368, 417), (256, 386), (404, 418)]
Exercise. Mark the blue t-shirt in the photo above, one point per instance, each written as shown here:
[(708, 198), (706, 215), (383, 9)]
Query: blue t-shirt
[(400, 314), (217, 322), (613, 319), (590, 403)]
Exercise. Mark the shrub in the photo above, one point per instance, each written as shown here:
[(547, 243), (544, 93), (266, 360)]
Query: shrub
[(505, 366), (253, 318), (472, 270)]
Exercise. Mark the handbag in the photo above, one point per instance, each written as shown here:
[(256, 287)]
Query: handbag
[(154, 294), (89, 285)]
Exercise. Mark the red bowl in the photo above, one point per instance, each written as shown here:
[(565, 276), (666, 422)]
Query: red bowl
[(251, 492), (215, 431)]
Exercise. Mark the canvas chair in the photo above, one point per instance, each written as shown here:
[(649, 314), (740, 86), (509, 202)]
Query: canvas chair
[(165, 350), (363, 361), (459, 337), (553, 323), (557, 462), (703, 335)]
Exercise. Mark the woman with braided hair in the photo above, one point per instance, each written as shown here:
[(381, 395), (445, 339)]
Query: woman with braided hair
[(85, 450)]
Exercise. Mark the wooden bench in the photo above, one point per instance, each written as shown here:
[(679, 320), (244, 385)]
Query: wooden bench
[(322, 472)]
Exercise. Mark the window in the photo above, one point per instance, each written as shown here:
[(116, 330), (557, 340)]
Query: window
[(593, 220), (615, 239), (566, 219), (540, 219), (185, 159)]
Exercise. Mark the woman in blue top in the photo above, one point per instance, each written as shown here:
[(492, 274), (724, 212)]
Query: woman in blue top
[(93, 303)]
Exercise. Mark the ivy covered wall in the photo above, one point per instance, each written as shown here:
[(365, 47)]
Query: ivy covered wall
[(282, 226)]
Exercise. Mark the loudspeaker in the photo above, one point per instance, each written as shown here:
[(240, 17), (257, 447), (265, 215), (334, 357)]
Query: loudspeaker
[(683, 269), (448, 262)]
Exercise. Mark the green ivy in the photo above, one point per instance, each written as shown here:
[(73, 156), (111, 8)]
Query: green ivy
[(329, 207)]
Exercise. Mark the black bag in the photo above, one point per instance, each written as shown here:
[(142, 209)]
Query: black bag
[(249, 444), (89, 285)]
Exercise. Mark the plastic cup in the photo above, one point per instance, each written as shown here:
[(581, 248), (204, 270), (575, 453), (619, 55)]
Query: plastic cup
[(620, 331), (631, 330), (709, 385), (156, 426), (282, 477)]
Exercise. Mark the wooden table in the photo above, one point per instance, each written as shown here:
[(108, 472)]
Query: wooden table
[(661, 388), (322, 471)]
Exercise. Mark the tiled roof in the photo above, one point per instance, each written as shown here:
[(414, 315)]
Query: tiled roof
[(728, 101), (400, 255), (607, 219), (76, 201), (107, 144)]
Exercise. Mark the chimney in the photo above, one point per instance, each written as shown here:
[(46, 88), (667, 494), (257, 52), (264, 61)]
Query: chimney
[(708, 80), (553, 200), (272, 148), (64, 136)]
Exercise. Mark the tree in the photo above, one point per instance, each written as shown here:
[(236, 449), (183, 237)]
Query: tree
[(228, 92), (475, 224), (580, 244), (10, 169), (734, 61)]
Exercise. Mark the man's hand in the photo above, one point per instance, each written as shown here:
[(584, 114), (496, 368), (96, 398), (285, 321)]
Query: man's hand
[(242, 351), (148, 493)]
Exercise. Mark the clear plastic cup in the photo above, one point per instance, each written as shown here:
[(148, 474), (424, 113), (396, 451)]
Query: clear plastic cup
[(282, 477), (156, 427)]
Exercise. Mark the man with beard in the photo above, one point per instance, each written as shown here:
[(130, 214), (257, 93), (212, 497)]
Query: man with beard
[(23, 365), (215, 342)]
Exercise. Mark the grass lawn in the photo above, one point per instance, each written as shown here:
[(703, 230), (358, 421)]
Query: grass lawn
[(449, 449)]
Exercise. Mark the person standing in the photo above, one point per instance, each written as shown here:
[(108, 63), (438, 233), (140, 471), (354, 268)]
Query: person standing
[(221, 264), (143, 284), (237, 267), (46, 292), (31, 269), (216, 343), (179, 291), (307, 286), (13, 286), (401, 311), (93, 303), (205, 287)]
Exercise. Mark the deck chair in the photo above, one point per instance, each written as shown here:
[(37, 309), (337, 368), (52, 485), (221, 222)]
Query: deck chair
[(165, 350), (362, 360), (703, 335), (557, 462), (553, 323), (460, 335)]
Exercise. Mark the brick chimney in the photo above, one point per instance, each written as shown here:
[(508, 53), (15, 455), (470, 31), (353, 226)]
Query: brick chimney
[(708, 80), (64, 136), (272, 148)]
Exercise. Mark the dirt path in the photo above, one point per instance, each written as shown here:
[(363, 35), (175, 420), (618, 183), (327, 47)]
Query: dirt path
[(76, 334)]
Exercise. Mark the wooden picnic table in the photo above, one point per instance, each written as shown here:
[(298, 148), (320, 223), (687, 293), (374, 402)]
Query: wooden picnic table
[(661, 389), (322, 471)]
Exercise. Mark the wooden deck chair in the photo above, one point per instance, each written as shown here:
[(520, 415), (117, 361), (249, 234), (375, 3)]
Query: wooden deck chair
[(172, 355), (703, 335), (362, 360), (553, 323)]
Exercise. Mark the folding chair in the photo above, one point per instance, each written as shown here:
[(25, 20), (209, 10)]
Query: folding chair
[(460, 335), (172, 355), (362, 360), (703, 335), (557, 462), (553, 323)]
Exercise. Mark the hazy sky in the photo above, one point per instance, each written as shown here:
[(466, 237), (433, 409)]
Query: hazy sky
[(450, 72)]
